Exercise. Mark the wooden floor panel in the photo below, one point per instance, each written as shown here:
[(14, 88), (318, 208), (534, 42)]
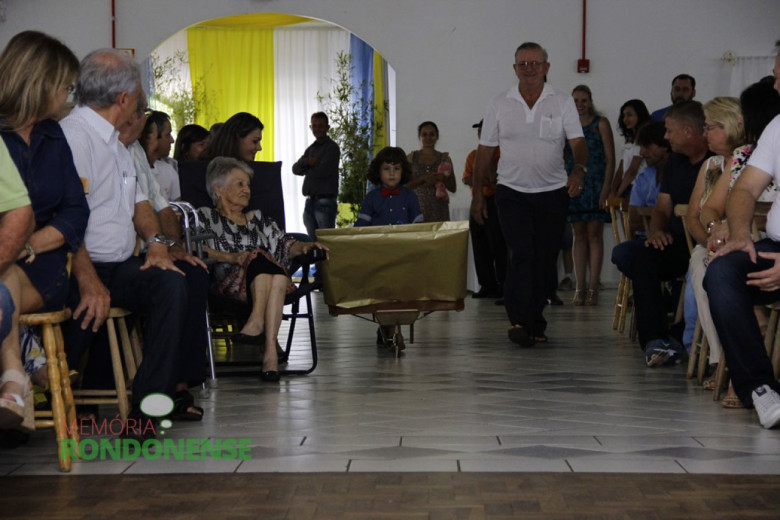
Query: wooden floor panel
[(401, 496)]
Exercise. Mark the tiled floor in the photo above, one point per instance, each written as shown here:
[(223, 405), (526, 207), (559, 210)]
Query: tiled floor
[(462, 399)]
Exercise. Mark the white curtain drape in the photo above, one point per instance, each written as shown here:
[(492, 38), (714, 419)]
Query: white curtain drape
[(747, 70), (305, 63)]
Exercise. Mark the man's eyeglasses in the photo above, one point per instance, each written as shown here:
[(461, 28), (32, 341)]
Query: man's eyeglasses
[(710, 128), (530, 64)]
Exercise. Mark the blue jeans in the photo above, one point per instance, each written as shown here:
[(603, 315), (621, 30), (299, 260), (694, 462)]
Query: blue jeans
[(319, 214), (731, 306), (7, 309)]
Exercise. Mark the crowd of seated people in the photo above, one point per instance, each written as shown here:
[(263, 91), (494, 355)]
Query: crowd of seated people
[(84, 188), (724, 159)]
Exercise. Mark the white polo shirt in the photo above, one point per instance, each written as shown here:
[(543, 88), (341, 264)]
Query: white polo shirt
[(531, 139), (107, 166), (766, 157)]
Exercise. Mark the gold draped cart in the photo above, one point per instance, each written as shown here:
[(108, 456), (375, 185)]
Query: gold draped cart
[(396, 274)]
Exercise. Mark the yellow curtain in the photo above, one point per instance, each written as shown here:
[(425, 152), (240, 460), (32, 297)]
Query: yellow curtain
[(234, 68), (380, 140), (256, 20)]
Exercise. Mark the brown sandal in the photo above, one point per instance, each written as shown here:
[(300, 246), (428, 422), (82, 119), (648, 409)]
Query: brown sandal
[(731, 401), (709, 384), (17, 410)]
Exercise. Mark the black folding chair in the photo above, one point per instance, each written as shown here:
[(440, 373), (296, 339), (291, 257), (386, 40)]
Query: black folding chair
[(267, 196)]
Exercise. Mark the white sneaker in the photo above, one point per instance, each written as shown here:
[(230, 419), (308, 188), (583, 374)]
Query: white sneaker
[(767, 404)]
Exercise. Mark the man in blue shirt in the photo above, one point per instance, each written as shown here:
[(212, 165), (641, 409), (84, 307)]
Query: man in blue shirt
[(683, 89)]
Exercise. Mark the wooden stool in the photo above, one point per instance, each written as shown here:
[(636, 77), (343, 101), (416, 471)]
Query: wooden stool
[(123, 372), (63, 409)]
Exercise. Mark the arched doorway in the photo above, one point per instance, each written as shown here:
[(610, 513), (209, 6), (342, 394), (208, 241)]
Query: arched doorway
[(275, 66)]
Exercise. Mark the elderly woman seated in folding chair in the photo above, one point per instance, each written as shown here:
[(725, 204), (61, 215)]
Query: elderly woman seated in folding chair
[(253, 256)]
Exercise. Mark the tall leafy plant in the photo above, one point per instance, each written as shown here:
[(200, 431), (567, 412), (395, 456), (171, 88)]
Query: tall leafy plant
[(353, 128), (184, 100)]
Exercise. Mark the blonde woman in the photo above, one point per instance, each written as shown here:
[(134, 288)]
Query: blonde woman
[(587, 211), (38, 74)]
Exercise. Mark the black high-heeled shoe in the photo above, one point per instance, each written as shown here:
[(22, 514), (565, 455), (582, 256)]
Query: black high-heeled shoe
[(246, 339), (270, 376)]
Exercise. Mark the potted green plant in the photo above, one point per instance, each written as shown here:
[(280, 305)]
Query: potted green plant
[(354, 129)]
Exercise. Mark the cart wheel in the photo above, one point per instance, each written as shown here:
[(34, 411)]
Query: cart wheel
[(398, 341)]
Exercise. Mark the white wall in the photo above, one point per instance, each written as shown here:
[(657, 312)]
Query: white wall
[(450, 56)]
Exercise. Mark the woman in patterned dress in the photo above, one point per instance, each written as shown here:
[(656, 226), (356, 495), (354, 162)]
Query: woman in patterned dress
[(587, 212), (253, 256), (429, 169)]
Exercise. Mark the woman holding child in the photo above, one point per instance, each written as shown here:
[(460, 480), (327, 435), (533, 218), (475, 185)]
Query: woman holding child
[(253, 256), (431, 175)]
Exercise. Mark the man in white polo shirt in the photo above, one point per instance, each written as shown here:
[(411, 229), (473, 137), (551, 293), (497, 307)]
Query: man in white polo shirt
[(530, 123)]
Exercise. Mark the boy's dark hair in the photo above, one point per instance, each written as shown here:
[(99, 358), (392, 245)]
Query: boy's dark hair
[(652, 132), (391, 155)]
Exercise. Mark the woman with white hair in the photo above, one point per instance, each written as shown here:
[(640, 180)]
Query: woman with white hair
[(253, 256)]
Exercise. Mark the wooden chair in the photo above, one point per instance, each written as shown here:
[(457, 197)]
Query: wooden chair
[(124, 364), (697, 358), (618, 210), (63, 409)]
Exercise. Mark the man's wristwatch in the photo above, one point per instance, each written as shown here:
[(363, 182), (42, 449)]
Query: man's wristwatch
[(162, 239), (584, 168)]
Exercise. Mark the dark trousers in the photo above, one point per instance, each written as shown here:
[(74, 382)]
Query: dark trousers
[(175, 337), (623, 255), (532, 225), (648, 267), (487, 243), (731, 306)]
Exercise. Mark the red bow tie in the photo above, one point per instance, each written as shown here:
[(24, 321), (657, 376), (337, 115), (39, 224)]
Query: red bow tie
[(386, 192)]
